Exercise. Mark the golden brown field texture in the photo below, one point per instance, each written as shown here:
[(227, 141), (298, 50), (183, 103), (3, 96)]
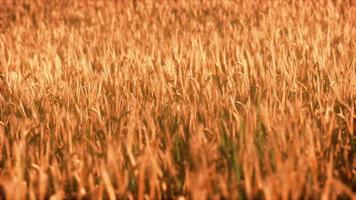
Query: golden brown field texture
[(143, 99)]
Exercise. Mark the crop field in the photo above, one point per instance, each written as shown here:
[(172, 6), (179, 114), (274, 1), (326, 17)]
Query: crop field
[(185, 99)]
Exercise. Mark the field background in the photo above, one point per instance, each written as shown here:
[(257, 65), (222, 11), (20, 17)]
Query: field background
[(178, 99)]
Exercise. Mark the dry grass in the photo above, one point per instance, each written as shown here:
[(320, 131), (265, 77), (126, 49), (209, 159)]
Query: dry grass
[(166, 99)]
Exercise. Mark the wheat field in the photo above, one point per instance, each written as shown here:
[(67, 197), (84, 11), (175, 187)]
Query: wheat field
[(185, 99)]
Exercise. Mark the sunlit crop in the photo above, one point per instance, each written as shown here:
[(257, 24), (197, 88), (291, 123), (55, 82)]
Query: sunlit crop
[(145, 99)]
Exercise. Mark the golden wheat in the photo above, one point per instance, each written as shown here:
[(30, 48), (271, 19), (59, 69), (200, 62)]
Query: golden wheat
[(178, 99)]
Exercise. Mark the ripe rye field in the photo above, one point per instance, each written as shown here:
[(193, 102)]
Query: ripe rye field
[(144, 99)]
